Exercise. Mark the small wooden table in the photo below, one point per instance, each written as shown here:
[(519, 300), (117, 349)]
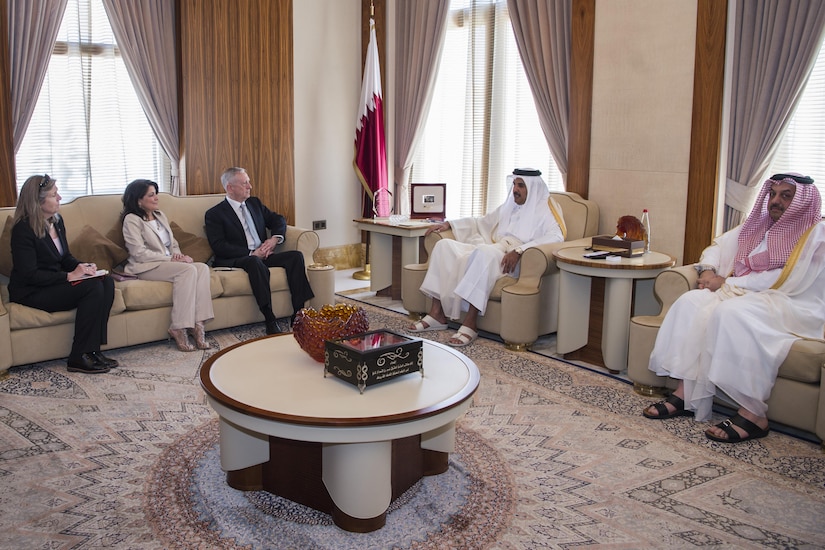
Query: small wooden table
[(576, 273), (287, 429), (392, 246)]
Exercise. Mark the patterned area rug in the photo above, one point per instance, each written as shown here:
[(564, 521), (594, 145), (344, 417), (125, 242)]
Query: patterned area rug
[(549, 456)]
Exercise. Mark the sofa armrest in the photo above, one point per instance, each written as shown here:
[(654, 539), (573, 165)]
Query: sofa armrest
[(672, 283), (434, 237), (303, 240), (535, 263), (5, 338)]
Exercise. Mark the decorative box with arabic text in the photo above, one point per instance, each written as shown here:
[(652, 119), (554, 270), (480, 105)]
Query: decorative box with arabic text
[(373, 357)]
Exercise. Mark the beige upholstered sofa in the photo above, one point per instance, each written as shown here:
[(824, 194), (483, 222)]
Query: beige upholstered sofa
[(141, 310), (798, 397), (519, 310)]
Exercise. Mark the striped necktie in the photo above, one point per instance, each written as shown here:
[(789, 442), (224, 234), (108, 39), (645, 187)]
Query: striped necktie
[(249, 227)]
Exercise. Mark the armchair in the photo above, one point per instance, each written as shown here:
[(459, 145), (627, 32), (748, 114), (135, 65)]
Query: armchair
[(519, 310), (798, 396)]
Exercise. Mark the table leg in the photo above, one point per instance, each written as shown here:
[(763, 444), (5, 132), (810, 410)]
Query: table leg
[(358, 477), (380, 261), (241, 448), (618, 297), (441, 439), (404, 250), (574, 312), (437, 446), (409, 252)]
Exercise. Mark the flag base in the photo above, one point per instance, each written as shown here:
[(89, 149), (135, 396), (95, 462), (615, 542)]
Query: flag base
[(362, 275)]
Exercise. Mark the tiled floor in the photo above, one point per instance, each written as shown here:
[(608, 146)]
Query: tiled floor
[(344, 280)]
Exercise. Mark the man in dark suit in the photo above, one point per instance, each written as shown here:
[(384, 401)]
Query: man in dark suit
[(236, 230)]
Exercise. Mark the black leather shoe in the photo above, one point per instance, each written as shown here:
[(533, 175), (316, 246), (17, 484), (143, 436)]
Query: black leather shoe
[(272, 327), (86, 364), (103, 360)]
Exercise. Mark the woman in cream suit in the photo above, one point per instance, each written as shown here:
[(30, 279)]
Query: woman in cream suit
[(154, 255)]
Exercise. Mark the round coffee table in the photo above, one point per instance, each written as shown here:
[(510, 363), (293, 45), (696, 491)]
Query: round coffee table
[(287, 429)]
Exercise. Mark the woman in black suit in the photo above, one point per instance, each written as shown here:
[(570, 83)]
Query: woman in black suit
[(46, 276)]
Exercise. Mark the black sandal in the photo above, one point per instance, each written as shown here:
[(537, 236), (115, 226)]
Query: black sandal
[(752, 431), (663, 411)]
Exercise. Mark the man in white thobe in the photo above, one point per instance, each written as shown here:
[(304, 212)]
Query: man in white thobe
[(759, 290), (463, 272)]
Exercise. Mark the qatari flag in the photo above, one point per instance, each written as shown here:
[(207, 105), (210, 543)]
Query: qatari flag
[(370, 161)]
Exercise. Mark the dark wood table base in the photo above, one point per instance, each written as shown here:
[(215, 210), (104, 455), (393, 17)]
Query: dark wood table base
[(295, 472)]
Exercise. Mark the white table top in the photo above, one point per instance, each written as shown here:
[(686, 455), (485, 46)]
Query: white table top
[(273, 378), (409, 228), (574, 255)]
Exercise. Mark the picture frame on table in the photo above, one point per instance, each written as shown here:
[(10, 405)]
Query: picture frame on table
[(428, 200)]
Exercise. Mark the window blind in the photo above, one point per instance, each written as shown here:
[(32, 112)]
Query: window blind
[(88, 129), (802, 148), (483, 120)]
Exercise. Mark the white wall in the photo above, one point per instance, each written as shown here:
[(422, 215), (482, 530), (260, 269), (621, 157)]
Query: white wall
[(642, 105), (327, 58)]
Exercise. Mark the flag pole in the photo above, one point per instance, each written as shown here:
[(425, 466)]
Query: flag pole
[(370, 161), (364, 274)]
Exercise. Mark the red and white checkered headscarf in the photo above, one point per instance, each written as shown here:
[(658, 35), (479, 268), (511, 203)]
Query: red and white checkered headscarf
[(804, 211)]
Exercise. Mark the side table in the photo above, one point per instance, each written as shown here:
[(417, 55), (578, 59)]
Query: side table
[(322, 280), (576, 273), (392, 246)]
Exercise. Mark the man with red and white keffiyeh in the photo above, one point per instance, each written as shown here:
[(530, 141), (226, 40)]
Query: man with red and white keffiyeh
[(759, 289)]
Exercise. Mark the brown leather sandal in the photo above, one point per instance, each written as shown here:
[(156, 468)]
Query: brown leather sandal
[(663, 411), (752, 431)]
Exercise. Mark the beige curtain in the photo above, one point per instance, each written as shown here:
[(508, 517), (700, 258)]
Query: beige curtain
[(145, 34), (542, 31), (775, 48), (33, 27), (420, 27)]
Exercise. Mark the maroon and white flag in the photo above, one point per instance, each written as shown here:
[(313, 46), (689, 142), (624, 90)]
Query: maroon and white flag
[(370, 161)]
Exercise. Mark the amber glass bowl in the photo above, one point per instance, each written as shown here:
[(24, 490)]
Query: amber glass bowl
[(312, 328)]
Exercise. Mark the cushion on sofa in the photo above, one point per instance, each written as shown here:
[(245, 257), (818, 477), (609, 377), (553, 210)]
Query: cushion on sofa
[(235, 281), (138, 294), (216, 285), (115, 235), (501, 284), (23, 317), (804, 362), (91, 246), (190, 244), (5, 247)]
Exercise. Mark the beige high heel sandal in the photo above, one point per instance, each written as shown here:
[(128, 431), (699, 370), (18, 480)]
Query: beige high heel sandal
[(181, 339), (199, 336)]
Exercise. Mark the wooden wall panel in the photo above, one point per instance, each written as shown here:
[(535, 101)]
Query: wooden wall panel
[(583, 27), (237, 96), (706, 127), (8, 185)]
